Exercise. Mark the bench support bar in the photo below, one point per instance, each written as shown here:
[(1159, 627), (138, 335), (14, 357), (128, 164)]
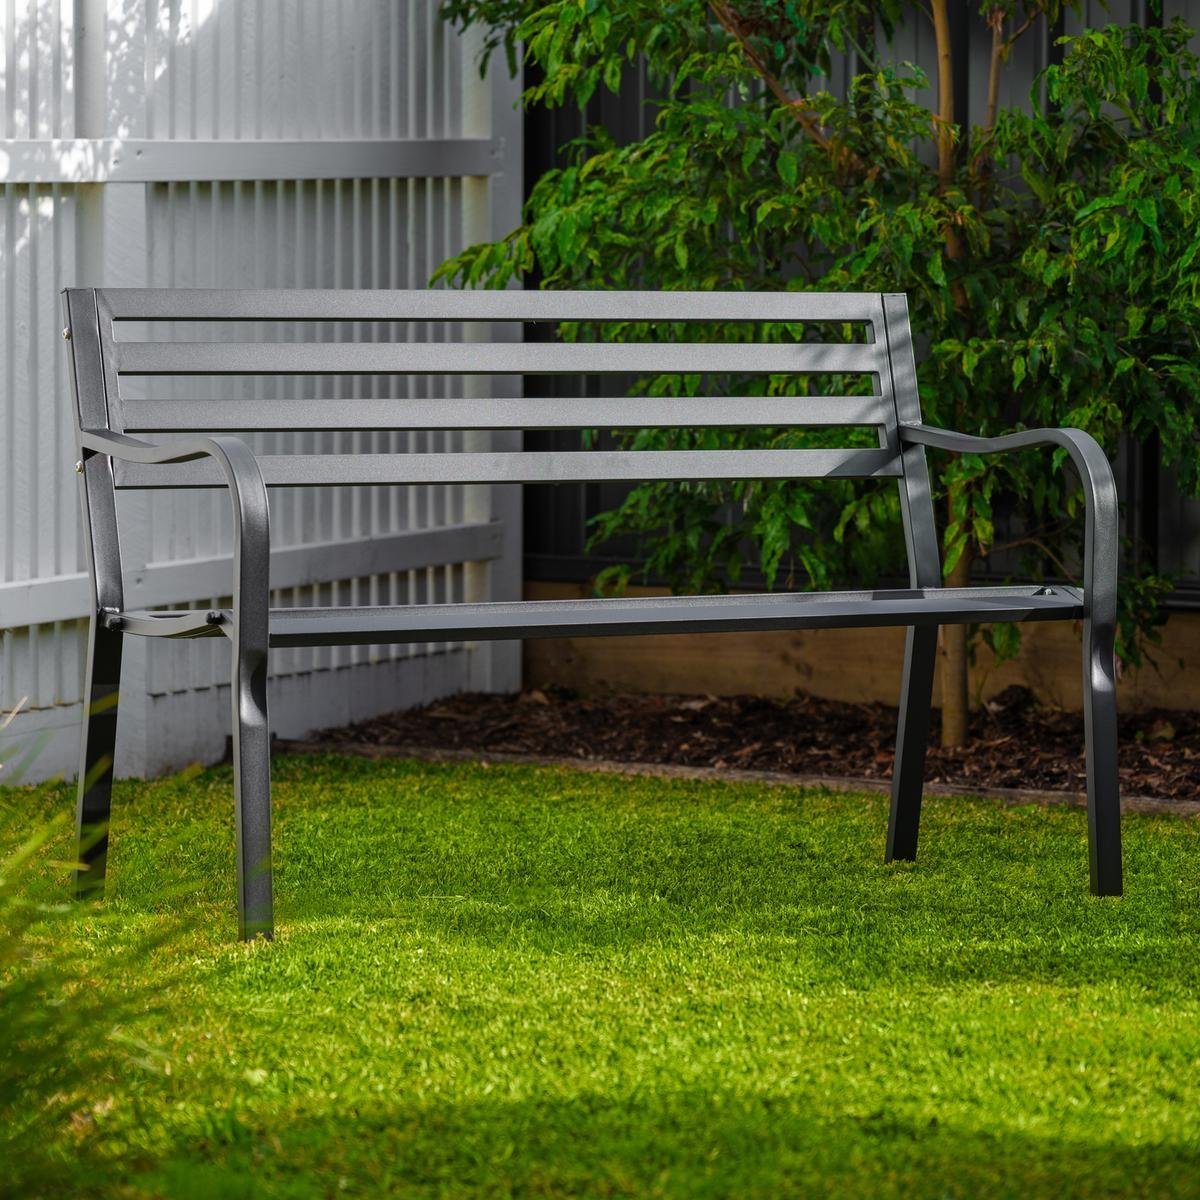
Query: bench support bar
[(1099, 622), (251, 746)]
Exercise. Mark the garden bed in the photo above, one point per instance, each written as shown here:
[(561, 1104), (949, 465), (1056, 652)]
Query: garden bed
[(1015, 742)]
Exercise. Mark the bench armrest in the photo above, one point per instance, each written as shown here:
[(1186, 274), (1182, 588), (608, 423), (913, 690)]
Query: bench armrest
[(1101, 536), (251, 514)]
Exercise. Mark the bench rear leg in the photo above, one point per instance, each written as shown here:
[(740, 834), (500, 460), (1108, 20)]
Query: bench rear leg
[(101, 694), (912, 739), (252, 788), (1100, 732)]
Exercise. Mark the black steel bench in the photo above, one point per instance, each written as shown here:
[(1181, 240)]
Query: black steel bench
[(206, 456)]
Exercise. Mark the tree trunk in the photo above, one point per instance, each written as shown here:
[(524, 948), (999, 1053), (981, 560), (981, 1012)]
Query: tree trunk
[(953, 645), (954, 663)]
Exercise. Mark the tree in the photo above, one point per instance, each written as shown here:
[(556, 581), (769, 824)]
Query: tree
[(1049, 256)]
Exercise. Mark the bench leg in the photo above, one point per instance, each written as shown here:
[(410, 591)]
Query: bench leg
[(912, 738), (252, 788), (101, 693), (1100, 732)]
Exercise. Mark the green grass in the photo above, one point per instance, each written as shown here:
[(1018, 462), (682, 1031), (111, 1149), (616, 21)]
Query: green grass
[(523, 981)]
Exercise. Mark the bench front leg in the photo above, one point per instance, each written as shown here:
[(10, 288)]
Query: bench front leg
[(1100, 739), (252, 790), (912, 740), (101, 694)]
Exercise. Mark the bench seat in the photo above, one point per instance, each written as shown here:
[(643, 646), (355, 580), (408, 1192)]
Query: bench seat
[(613, 617)]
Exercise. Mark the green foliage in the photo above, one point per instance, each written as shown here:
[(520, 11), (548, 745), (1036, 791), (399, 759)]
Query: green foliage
[(1053, 274), (512, 981)]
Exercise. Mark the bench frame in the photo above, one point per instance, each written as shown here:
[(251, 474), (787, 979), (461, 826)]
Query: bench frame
[(109, 458)]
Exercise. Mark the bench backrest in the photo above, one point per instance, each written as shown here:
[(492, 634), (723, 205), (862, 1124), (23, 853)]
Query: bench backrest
[(107, 360)]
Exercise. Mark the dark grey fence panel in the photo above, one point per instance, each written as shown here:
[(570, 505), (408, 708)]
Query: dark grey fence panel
[(1163, 525)]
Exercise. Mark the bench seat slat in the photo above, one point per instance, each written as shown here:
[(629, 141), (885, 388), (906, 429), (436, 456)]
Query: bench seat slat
[(592, 618), (641, 615), (202, 304), (495, 358), (618, 412), (579, 466)]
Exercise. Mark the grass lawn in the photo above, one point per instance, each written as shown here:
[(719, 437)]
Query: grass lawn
[(524, 981)]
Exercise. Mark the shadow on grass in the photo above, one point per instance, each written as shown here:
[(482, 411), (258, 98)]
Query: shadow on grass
[(683, 1144)]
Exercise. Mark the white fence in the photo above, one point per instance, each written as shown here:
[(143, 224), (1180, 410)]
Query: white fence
[(256, 143)]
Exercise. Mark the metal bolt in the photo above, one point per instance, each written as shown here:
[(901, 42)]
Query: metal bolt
[(79, 467), (66, 335)]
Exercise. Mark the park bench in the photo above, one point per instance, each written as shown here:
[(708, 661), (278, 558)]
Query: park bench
[(193, 443)]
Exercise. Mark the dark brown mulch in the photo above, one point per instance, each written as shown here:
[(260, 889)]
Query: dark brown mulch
[(1015, 742)]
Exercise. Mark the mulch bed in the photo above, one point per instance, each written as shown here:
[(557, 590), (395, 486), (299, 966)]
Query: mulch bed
[(1015, 742)]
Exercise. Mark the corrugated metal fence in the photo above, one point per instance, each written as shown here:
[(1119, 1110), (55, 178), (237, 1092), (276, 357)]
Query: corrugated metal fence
[(255, 143)]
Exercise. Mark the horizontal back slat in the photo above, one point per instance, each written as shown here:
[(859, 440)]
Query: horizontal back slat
[(492, 358), (461, 356), (325, 470), (444, 305), (620, 412)]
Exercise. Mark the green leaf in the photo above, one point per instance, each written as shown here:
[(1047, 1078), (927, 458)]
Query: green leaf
[(1005, 640), (954, 551), (601, 23), (750, 153), (612, 75), (566, 238), (1018, 372)]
